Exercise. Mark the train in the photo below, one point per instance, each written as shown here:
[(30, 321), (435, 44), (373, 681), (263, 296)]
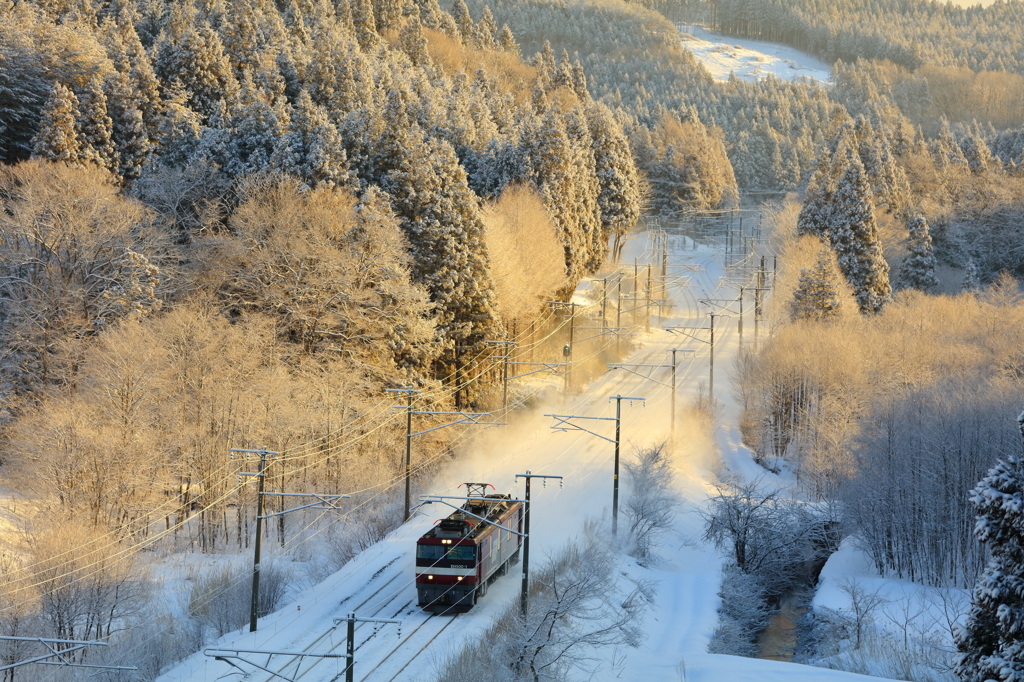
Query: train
[(459, 557)]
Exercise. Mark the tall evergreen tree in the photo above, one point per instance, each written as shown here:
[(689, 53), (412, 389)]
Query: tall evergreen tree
[(486, 30), (816, 297), (95, 126), (412, 42), (131, 139), (854, 237), (365, 24), (507, 41), (441, 218), (23, 92), (58, 139), (991, 641), (312, 149), (619, 200), (918, 270), (191, 52), (460, 12), (971, 284)]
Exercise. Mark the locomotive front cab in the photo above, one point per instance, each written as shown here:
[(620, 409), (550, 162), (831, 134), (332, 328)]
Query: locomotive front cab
[(446, 567)]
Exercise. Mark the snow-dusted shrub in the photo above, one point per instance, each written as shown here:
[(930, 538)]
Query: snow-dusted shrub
[(743, 614), (767, 535), (574, 608), (651, 503), (220, 597)]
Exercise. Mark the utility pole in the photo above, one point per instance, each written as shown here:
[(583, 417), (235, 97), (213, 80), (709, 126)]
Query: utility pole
[(563, 422), (568, 348), (647, 304), (618, 316), (740, 323), (350, 643), (262, 475), (711, 364), (674, 351), (509, 345), (636, 272), (323, 501), (524, 594), (463, 418), (409, 393), (615, 478)]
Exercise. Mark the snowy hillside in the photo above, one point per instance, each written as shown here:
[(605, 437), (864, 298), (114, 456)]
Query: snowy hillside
[(678, 624), (750, 59)]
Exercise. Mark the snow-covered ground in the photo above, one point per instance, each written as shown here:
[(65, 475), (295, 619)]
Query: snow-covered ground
[(750, 59), (379, 582)]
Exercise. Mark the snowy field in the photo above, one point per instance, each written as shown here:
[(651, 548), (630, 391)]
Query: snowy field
[(750, 59), (379, 582)]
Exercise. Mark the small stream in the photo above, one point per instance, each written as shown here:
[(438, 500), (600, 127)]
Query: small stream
[(780, 639)]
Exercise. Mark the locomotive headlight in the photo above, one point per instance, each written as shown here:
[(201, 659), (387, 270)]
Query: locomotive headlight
[(430, 577), (459, 578)]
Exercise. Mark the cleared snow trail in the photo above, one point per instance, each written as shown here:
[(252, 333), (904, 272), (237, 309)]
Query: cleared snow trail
[(750, 60), (379, 581)]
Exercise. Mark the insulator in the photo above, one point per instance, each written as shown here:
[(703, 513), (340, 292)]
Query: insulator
[(559, 483)]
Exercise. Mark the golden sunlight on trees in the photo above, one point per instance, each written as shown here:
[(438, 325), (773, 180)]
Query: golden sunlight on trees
[(75, 256), (527, 258)]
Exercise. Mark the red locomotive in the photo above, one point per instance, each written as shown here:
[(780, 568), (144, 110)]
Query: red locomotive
[(459, 557)]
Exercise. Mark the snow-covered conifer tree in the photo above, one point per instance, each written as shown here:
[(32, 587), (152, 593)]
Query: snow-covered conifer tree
[(365, 25), (441, 218), (412, 42), (854, 237), (991, 641), (191, 52), (131, 139), (507, 41), (179, 127), (464, 21), (619, 199), (817, 296), (95, 126), (918, 271), (312, 148), (387, 13), (977, 153), (58, 139), (486, 30)]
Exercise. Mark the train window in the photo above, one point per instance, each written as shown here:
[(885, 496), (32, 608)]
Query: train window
[(460, 553), (429, 551)]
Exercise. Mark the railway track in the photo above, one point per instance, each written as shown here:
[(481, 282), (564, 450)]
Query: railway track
[(295, 660), (385, 608), (416, 654)]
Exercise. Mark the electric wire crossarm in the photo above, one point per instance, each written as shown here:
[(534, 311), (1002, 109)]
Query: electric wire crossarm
[(429, 499), (228, 656), (350, 642), (563, 423), (323, 502), (633, 367), (49, 643)]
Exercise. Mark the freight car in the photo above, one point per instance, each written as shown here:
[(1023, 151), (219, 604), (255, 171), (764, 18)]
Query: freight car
[(459, 557)]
